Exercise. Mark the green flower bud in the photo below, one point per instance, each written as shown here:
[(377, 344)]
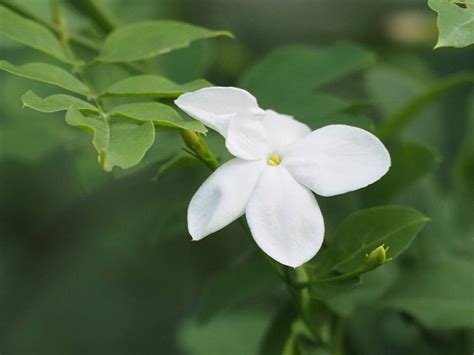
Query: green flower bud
[(377, 257)]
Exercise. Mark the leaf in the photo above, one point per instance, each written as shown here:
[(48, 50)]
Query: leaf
[(329, 289), (440, 295), (159, 114), (287, 79), (410, 162), (152, 85), (54, 103), (236, 333), (280, 328), (31, 34), (408, 111), (178, 161), (47, 73), (367, 229), (455, 24), (249, 278), (148, 39), (119, 143), (373, 286)]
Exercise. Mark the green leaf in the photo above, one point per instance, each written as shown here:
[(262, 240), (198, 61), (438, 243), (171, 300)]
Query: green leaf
[(440, 294), (410, 162), (54, 103), (408, 111), (236, 333), (180, 160), (159, 114), (119, 143), (47, 73), (280, 328), (329, 289), (31, 34), (145, 40), (248, 278), (455, 23), (287, 79), (373, 285), (153, 85), (367, 229)]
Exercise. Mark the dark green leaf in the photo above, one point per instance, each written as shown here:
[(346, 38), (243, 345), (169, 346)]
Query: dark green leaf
[(236, 333), (54, 103), (153, 85), (178, 161), (440, 294), (329, 289), (250, 277), (286, 79), (119, 143), (277, 334), (159, 114), (410, 162), (365, 230), (47, 73), (455, 23), (408, 111), (372, 286), (31, 34), (145, 40)]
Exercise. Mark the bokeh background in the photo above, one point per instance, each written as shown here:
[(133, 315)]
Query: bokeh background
[(101, 263)]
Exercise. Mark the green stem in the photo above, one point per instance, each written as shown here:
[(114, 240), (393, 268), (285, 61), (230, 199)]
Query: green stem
[(359, 271)]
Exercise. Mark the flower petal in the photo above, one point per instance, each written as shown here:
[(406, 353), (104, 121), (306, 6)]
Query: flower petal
[(282, 130), (284, 218), (216, 106), (336, 159), (222, 198), (246, 139)]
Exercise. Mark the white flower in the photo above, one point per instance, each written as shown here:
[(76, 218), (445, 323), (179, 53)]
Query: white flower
[(278, 161)]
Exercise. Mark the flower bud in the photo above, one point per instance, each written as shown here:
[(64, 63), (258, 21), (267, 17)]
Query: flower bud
[(377, 257)]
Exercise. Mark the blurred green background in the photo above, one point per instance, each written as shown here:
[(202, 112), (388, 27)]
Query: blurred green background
[(101, 263)]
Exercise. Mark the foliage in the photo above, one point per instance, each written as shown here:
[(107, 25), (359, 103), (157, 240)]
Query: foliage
[(98, 260), (455, 22)]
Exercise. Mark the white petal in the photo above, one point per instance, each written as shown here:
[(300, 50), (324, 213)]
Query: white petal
[(336, 159), (222, 198), (284, 218), (216, 106), (246, 139), (282, 130)]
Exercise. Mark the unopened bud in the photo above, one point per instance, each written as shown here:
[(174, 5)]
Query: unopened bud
[(377, 257)]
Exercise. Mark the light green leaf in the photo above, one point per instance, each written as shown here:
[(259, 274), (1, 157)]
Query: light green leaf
[(367, 229), (153, 85), (410, 162), (54, 103), (288, 79), (119, 143), (455, 23), (30, 33), (159, 114), (145, 40), (440, 295), (47, 73)]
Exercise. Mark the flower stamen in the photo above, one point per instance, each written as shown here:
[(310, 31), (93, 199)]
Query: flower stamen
[(274, 160)]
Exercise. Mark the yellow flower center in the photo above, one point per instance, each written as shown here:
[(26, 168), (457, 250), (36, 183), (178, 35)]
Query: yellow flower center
[(274, 160)]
